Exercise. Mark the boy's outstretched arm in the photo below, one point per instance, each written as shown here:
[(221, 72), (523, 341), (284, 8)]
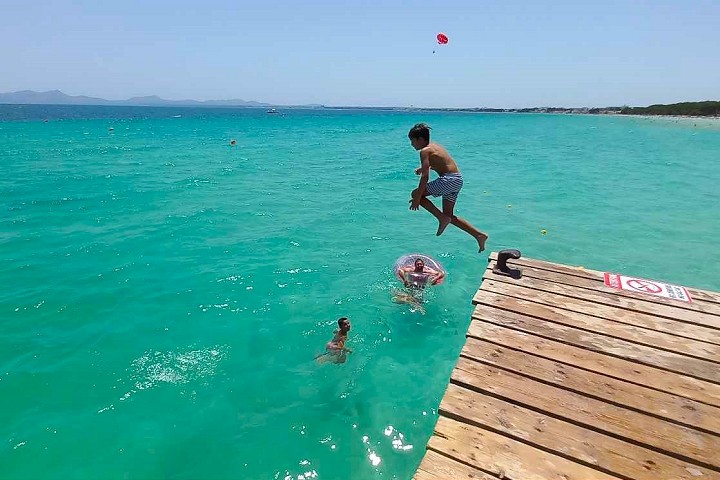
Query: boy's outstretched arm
[(424, 176)]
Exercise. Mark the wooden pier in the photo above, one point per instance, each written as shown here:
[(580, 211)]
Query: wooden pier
[(564, 378)]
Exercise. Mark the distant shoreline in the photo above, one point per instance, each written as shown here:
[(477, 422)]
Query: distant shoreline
[(545, 111), (701, 109), (614, 112), (684, 119)]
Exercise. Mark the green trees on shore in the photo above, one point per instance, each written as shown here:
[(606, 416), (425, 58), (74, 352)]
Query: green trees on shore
[(696, 109)]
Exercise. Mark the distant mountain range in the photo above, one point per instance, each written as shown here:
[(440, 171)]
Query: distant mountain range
[(56, 97)]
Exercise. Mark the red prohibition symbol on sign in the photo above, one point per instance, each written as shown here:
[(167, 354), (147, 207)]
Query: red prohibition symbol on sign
[(644, 286)]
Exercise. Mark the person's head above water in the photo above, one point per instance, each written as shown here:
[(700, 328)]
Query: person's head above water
[(419, 265), (419, 136), (344, 324)]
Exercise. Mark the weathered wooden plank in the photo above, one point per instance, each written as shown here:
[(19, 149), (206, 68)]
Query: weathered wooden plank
[(617, 304), (505, 457), (566, 439), (696, 293), (618, 368), (436, 466), (537, 305), (599, 286), (672, 439), (589, 307), (599, 343), (579, 271), (670, 407)]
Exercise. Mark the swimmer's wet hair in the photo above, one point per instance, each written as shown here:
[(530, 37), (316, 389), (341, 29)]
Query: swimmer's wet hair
[(420, 130), (341, 319)]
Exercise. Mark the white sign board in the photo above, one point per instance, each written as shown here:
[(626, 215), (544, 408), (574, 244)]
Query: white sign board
[(651, 287)]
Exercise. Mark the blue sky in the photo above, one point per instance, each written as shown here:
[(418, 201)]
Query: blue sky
[(502, 53)]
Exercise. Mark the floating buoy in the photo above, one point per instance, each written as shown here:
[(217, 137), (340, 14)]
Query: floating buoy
[(543, 232), (111, 129), (509, 206)]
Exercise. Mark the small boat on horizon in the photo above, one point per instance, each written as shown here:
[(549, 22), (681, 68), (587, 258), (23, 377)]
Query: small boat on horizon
[(272, 110)]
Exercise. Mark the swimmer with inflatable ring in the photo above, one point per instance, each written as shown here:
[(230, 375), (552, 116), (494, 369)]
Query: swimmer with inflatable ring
[(416, 275), (335, 350)]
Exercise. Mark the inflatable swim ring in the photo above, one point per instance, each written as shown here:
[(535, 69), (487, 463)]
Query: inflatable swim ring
[(409, 261)]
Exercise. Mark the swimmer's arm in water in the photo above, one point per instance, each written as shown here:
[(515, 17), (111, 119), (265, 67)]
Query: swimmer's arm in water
[(340, 343), (403, 275), (334, 351), (435, 276)]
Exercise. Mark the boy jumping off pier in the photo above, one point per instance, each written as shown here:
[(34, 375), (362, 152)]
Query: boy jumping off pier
[(447, 185)]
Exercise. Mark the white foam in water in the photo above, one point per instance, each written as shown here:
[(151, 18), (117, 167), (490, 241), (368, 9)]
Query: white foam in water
[(155, 368)]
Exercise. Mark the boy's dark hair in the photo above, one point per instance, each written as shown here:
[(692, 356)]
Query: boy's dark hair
[(420, 130), (341, 320)]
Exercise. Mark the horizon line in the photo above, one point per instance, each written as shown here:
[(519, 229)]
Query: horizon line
[(261, 104)]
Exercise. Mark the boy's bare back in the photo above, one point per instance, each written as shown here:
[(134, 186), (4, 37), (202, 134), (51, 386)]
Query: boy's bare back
[(439, 158)]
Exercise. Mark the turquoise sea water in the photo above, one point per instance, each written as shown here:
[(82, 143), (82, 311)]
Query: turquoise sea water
[(164, 293)]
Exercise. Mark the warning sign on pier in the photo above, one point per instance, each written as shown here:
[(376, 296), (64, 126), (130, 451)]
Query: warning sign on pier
[(650, 287)]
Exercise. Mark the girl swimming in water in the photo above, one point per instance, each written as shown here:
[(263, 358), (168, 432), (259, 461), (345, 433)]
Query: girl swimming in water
[(335, 350)]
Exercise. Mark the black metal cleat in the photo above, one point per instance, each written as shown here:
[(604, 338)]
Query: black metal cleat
[(501, 267)]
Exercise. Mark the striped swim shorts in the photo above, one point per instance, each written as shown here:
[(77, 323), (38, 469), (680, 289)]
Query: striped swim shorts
[(447, 186)]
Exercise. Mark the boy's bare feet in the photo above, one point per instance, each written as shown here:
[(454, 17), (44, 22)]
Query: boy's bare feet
[(481, 239), (444, 220)]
